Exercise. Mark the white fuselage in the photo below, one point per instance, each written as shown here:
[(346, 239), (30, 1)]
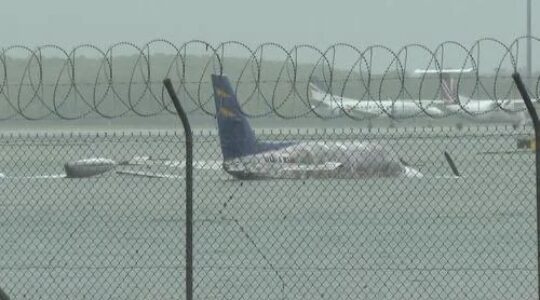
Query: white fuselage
[(479, 111), (489, 111), (383, 108), (320, 160)]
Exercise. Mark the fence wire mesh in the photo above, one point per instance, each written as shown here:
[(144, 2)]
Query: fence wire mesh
[(443, 206), (381, 236), (120, 235)]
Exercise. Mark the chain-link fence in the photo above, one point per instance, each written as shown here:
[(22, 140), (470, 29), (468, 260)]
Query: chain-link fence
[(293, 234), (116, 235), (376, 236), (373, 213)]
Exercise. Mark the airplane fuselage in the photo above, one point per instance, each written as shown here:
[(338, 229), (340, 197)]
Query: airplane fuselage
[(320, 160), (394, 108), (489, 111), (477, 111), (246, 157)]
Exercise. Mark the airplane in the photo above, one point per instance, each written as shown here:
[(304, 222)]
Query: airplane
[(397, 109), (245, 157), (95, 166), (511, 111), (450, 103), (138, 166)]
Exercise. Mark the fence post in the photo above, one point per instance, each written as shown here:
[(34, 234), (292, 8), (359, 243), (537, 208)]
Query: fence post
[(536, 124), (189, 188), (3, 295)]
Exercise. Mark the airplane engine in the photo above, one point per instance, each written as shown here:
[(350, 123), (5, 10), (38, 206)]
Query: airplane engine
[(88, 167)]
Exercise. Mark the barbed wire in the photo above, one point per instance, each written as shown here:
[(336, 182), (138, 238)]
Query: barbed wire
[(49, 81)]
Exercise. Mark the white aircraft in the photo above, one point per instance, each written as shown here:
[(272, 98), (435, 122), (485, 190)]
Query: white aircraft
[(245, 157), (382, 108), (91, 167), (511, 111), (138, 166)]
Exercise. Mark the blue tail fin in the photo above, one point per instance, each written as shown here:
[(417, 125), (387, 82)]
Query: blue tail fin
[(235, 134)]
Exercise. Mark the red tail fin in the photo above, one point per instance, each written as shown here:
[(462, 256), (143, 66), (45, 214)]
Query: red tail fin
[(449, 90)]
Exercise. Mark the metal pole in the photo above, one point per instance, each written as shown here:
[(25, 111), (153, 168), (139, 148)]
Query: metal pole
[(3, 295), (536, 124), (189, 188), (529, 40)]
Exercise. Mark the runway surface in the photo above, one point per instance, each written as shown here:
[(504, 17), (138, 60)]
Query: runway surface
[(122, 237)]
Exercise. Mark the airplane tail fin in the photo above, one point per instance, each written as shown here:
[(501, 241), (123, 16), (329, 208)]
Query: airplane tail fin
[(449, 93), (318, 84), (236, 136), (319, 91)]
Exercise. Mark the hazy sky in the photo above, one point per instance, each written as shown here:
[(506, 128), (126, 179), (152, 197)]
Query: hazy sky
[(360, 22)]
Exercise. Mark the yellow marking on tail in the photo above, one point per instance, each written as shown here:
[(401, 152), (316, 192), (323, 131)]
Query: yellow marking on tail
[(227, 112), (222, 94)]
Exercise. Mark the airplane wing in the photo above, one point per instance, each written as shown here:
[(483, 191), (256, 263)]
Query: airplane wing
[(341, 105), (51, 176), (149, 161), (515, 104), (443, 71), (328, 166), (374, 111), (147, 174)]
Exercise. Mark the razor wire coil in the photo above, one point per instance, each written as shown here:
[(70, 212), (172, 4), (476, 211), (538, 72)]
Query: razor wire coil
[(49, 81)]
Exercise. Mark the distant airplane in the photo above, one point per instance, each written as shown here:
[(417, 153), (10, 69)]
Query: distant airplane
[(509, 111), (245, 157), (320, 94), (450, 103)]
